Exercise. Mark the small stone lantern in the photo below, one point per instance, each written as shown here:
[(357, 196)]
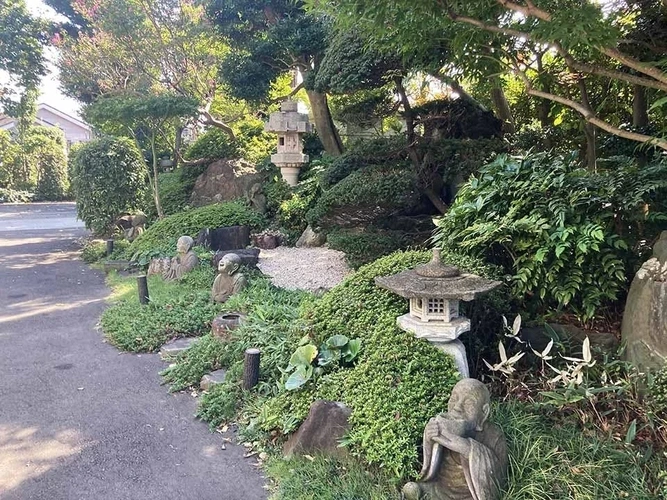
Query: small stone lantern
[(434, 291), (290, 125)]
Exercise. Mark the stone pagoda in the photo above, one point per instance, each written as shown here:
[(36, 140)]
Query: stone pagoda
[(435, 290), (290, 125)]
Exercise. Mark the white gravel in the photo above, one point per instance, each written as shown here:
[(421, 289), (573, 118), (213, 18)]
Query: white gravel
[(312, 269)]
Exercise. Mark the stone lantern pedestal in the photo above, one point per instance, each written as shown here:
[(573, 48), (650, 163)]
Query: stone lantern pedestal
[(289, 125), (435, 291)]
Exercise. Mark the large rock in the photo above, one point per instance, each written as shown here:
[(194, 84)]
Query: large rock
[(321, 432), (309, 238), (224, 180), (249, 256), (644, 328)]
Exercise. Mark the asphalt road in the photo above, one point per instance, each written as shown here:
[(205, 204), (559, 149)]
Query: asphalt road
[(79, 419)]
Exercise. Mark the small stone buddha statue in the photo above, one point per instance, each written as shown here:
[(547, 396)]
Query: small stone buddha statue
[(465, 456), (184, 262), (229, 281)]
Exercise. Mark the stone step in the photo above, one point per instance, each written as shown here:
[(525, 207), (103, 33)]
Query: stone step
[(211, 379), (170, 350)]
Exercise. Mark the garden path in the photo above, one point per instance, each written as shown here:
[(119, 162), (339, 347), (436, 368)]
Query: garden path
[(78, 419)]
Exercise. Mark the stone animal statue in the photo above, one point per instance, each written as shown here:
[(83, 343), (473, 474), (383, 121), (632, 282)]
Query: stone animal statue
[(184, 262), (229, 281), (465, 456)]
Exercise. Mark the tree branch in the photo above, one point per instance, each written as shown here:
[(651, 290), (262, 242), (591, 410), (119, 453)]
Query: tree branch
[(210, 120), (291, 94)]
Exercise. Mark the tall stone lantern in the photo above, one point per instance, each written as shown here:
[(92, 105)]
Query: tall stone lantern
[(290, 125), (435, 291)]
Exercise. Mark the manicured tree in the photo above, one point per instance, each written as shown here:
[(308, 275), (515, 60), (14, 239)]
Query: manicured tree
[(108, 179), (146, 116), (270, 40), (45, 148)]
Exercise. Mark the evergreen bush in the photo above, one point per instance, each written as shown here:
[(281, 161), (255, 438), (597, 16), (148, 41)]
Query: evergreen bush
[(161, 237), (571, 238), (109, 179)]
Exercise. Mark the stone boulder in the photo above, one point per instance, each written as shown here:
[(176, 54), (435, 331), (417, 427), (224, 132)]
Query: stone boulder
[(224, 180), (644, 328), (309, 238), (249, 256), (224, 238), (321, 432)]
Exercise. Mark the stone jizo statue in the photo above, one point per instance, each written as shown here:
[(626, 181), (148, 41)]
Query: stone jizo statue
[(465, 456), (229, 281), (184, 262)]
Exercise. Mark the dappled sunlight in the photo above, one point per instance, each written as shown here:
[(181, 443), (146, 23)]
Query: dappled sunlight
[(25, 454), (28, 308), (28, 261), (19, 242)]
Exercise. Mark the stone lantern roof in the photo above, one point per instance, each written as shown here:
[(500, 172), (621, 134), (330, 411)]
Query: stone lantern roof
[(438, 281)]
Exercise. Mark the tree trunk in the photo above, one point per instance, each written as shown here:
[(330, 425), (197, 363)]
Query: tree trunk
[(326, 130), (156, 191), (639, 107), (502, 106), (178, 141), (589, 129)]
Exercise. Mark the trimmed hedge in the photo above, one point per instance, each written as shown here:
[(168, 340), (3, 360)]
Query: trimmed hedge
[(161, 237)]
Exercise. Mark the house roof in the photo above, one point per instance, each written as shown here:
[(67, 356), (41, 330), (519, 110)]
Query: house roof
[(8, 121)]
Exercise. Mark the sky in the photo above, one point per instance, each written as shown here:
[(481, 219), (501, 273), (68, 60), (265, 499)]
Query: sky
[(50, 92)]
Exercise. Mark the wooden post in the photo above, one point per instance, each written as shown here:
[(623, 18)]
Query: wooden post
[(142, 287), (251, 368), (109, 248)]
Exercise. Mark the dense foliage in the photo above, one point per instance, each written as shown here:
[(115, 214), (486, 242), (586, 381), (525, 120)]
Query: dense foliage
[(214, 144), (109, 178), (161, 237), (569, 237), (176, 309)]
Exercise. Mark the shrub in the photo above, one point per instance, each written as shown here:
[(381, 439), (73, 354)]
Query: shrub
[(109, 179), (366, 196), (362, 247), (14, 196), (174, 194), (95, 250), (214, 144), (176, 309), (658, 392), (161, 237), (191, 365), (45, 149), (567, 235)]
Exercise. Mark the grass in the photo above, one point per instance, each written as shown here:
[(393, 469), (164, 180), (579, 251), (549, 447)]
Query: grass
[(324, 478), (176, 309)]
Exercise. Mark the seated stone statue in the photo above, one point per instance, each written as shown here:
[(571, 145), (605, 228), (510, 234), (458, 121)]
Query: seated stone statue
[(184, 262), (465, 457), (229, 281)]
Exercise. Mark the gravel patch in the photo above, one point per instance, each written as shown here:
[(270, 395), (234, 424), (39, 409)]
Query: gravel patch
[(312, 269)]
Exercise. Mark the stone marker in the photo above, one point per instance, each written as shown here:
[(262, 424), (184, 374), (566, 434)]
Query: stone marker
[(184, 262), (229, 281), (309, 238), (172, 349), (321, 432), (211, 379), (132, 225), (223, 324), (249, 256), (230, 238), (644, 328), (465, 456)]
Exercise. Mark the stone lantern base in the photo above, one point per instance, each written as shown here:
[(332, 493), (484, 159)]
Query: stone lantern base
[(290, 174), (442, 335)]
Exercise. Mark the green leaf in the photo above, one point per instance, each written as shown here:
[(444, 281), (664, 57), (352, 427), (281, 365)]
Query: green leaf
[(632, 432), (299, 378), (303, 356), (352, 350), (337, 341)]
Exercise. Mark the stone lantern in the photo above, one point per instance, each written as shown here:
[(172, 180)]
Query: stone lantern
[(290, 125), (434, 291)]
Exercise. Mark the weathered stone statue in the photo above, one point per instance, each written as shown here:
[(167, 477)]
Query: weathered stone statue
[(184, 262), (132, 225), (465, 456), (229, 281), (644, 328)]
